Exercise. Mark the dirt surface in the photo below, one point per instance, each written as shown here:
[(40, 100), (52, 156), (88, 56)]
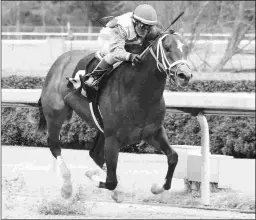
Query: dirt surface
[(31, 189), (27, 208)]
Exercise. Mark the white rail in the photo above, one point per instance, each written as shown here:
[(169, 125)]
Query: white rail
[(231, 104)]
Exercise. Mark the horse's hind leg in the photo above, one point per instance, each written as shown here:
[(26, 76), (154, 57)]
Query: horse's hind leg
[(54, 124), (160, 140)]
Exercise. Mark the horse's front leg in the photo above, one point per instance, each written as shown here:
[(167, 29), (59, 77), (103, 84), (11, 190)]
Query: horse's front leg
[(111, 152), (97, 151), (160, 140), (97, 154)]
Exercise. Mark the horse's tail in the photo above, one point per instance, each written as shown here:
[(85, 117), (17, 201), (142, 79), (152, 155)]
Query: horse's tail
[(42, 121)]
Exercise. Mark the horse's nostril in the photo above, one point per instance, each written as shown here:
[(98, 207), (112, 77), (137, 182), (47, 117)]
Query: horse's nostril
[(182, 76)]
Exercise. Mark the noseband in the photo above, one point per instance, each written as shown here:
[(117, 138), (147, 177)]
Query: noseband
[(165, 65)]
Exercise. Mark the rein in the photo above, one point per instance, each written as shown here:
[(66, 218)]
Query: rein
[(166, 66)]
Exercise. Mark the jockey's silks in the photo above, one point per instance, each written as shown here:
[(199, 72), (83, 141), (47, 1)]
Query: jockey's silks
[(115, 35), (125, 21)]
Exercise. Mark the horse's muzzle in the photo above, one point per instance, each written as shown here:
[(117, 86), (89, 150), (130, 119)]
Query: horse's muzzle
[(184, 75)]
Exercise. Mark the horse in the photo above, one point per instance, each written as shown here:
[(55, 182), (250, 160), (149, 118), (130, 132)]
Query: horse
[(131, 104)]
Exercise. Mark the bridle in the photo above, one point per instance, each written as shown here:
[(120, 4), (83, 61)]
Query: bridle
[(165, 65)]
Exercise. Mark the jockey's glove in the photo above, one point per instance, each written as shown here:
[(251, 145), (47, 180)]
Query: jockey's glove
[(135, 58)]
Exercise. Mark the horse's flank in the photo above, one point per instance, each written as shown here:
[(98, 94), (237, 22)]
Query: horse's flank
[(55, 86)]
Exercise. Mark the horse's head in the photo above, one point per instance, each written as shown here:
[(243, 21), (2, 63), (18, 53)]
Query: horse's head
[(169, 52)]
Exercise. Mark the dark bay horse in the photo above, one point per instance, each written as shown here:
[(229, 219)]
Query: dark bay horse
[(131, 103)]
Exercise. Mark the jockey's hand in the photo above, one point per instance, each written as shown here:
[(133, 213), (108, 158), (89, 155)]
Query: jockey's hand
[(135, 58)]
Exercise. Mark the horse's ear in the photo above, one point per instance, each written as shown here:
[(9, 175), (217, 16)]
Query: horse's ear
[(171, 31)]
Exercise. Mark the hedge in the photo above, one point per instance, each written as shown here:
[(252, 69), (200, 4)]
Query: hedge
[(233, 136), (21, 82)]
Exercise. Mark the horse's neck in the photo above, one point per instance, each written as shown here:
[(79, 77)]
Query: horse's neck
[(155, 77), (147, 79)]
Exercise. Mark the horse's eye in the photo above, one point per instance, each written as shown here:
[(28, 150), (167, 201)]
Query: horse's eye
[(168, 49)]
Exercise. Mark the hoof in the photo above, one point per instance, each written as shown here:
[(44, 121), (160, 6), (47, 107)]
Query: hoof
[(117, 196), (94, 176), (91, 173), (157, 189), (66, 190)]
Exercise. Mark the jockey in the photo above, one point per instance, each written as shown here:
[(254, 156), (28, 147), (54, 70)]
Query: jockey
[(130, 27)]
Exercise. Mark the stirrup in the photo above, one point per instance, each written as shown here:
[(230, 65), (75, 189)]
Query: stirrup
[(92, 86)]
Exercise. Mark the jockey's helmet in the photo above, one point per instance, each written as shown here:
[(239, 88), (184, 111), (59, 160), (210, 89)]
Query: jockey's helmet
[(145, 14)]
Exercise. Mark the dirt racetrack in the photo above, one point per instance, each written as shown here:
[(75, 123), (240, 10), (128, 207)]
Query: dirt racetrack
[(31, 189)]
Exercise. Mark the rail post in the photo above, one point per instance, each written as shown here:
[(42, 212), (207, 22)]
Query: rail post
[(205, 154)]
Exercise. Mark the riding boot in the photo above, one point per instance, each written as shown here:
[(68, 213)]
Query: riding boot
[(96, 74)]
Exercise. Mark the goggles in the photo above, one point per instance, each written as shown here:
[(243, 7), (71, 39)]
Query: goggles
[(143, 27)]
